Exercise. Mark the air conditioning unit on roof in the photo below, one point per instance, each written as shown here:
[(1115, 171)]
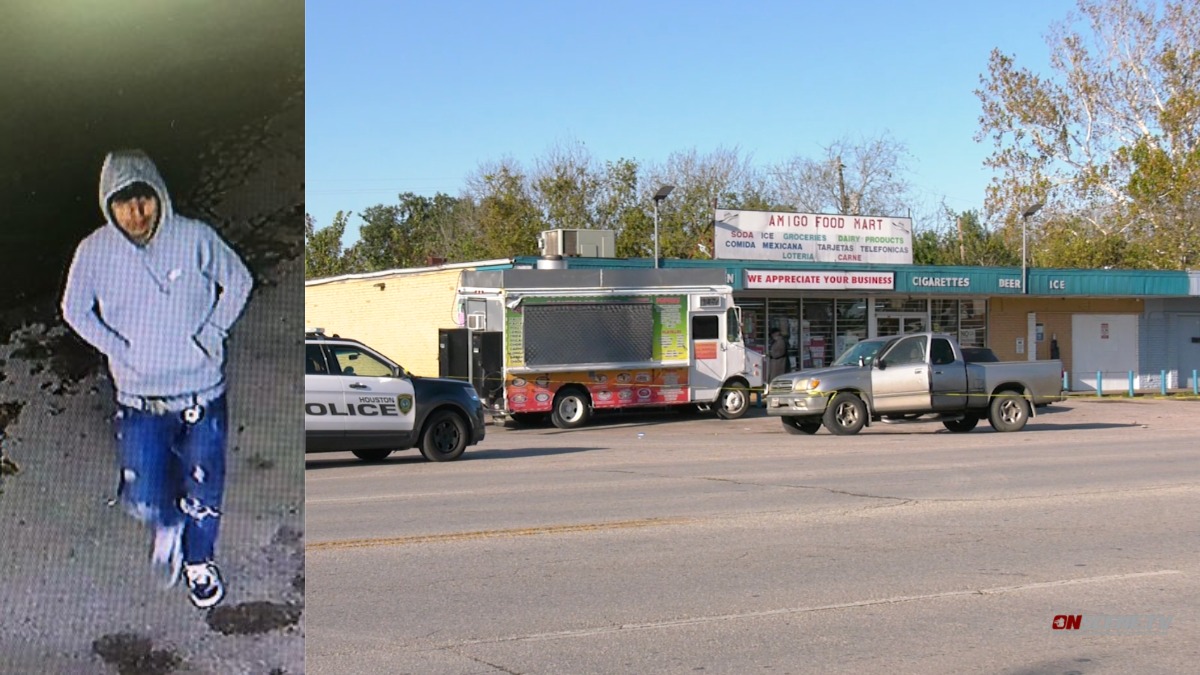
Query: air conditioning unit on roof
[(578, 243)]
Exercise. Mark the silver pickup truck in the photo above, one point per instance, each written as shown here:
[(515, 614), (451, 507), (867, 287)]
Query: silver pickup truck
[(908, 376)]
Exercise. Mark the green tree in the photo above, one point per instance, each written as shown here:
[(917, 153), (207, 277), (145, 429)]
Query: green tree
[(408, 233), (323, 255), (622, 209), (506, 217), (963, 239), (1076, 242), (567, 188), (384, 241), (1108, 140)]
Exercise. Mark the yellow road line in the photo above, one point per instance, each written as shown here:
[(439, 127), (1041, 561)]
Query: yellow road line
[(493, 534)]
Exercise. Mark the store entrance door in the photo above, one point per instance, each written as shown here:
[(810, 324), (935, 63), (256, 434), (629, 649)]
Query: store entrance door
[(899, 323)]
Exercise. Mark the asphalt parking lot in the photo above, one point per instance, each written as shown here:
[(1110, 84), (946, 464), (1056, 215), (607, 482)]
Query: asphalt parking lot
[(667, 543)]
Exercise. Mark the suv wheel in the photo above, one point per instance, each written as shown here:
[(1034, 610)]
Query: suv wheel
[(444, 438)]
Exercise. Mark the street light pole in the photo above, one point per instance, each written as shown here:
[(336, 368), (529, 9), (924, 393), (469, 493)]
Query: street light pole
[(1024, 220), (658, 197)]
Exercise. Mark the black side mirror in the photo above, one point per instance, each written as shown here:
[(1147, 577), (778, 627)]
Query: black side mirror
[(882, 364)]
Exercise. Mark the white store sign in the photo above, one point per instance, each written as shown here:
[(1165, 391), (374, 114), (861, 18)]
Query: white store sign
[(812, 237), (825, 281)]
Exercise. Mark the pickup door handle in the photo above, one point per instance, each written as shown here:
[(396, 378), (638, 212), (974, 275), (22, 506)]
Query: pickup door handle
[(357, 385), (937, 372)]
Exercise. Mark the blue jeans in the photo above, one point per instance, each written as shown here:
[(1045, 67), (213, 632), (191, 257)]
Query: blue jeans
[(173, 472)]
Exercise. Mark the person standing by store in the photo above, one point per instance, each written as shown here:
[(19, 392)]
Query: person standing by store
[(777, 355), (156, 293)]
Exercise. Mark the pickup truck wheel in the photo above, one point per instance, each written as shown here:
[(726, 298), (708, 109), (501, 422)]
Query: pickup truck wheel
[(1009, 411), (372, 455), (572, 408), (800, 425), (845, 415), (732, 402), (444, 438), (963, 425)]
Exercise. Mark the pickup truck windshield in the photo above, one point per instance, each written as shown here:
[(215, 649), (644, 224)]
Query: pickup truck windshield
[(867, 350)]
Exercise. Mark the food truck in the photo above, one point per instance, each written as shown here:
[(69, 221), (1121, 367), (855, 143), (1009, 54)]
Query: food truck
[(569, 343)]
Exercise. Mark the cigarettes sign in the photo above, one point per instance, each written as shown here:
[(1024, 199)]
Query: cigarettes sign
[(812, 237)]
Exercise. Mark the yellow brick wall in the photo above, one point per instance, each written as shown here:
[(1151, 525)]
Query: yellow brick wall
[(400, 321), (1007, 321)]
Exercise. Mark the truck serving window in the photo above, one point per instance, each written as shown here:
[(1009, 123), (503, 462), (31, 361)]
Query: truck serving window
[(705, 328), (583, 332)]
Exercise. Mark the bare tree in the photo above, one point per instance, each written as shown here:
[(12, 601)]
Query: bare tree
[(1109, 139), (865, 177), (701, 183)]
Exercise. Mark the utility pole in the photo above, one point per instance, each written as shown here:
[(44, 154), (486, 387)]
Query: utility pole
[(842, 186), (962, 251)]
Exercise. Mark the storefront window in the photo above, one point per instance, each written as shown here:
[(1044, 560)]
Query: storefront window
[(816, 333), (785, 315), (972, 323), (917, 305), (851, 324), (944, 316), (754, 331)]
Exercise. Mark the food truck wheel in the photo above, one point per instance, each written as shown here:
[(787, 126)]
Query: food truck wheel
[(572, 408), (733, 401)]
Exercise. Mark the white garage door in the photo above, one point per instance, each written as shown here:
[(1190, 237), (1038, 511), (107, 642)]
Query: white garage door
[(1107, 343)]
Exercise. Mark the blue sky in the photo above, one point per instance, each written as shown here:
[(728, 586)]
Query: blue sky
[(415, 96)]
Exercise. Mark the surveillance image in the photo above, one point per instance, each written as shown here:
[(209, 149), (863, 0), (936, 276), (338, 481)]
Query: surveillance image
[(151, 261)]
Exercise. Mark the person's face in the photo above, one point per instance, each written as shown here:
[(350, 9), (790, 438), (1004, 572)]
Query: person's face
[(137, 217)]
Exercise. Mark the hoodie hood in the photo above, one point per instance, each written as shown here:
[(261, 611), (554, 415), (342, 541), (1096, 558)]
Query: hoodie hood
[(126, 167)]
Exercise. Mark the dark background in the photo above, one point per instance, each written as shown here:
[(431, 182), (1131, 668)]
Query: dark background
[(79, 79)]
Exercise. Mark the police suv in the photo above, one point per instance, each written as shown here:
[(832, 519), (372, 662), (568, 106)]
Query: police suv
[(356, 399)]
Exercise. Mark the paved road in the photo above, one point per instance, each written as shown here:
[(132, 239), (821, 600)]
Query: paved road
[(666, 544)]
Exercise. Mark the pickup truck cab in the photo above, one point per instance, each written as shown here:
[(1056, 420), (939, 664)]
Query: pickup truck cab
[(911, 375), (358, 400)]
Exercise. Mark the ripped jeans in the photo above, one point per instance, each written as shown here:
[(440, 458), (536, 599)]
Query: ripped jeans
[(173, 471)]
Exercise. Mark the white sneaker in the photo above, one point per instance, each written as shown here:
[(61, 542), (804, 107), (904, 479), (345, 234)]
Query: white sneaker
[(167, 555), (204, 584)]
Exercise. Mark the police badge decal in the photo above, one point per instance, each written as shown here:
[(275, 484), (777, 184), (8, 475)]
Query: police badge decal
[(405, 402)]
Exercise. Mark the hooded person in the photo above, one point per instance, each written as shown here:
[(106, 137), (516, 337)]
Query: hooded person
[(777, 355), (156, 293)]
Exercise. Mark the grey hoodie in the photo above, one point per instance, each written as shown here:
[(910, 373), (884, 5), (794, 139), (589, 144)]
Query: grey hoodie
[(160, 311)]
